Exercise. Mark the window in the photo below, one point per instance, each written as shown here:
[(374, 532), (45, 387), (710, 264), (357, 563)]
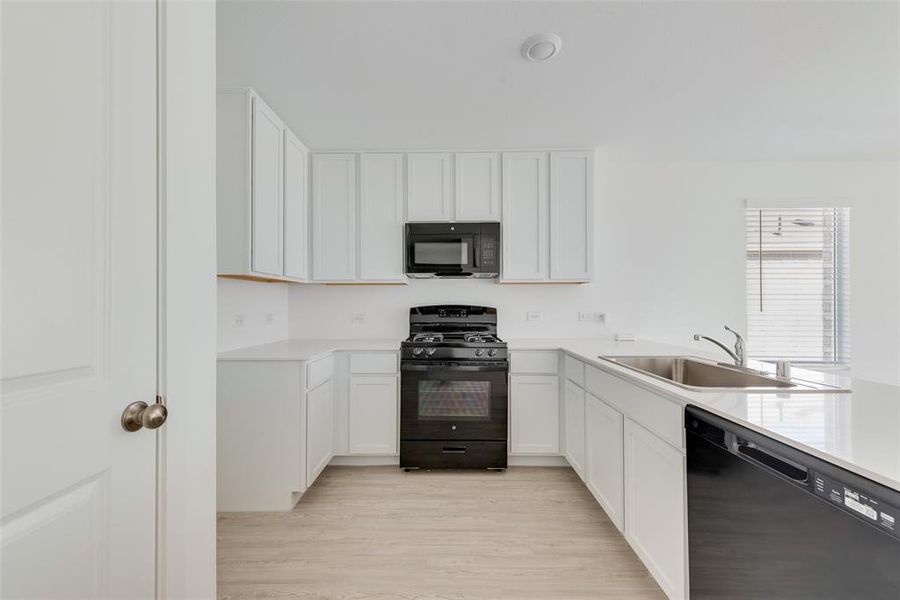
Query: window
[(798, 285)]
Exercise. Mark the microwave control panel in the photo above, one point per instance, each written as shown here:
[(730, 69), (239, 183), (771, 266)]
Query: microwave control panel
[(488, 251)]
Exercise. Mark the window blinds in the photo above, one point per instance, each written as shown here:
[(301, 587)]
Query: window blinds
[(798, 284)]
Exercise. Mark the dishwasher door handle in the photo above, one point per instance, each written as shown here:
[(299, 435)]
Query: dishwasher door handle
[(772, 462)]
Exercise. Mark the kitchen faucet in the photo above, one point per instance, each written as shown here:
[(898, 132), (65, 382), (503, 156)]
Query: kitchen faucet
[(740, 347)]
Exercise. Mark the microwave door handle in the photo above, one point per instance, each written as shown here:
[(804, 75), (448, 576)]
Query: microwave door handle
[(476, 260)]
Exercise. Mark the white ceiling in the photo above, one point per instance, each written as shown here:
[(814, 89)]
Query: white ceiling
[(676, 80)]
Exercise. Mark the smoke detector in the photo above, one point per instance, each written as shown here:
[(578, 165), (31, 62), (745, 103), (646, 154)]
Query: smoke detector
[(541, 47)]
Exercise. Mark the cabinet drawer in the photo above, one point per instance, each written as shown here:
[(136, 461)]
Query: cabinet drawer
[(544, 363), (373, 362), (574, 370), (319, 371), (660, 415)]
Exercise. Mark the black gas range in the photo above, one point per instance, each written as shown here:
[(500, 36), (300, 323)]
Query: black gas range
[(453, 389)]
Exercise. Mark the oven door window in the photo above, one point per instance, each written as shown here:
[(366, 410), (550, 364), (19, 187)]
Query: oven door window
[(436, 251), (454, 400)]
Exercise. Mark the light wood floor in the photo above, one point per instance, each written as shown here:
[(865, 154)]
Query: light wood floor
[(380, 533)]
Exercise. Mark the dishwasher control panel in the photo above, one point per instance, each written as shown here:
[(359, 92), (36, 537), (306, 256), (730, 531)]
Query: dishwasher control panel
[(872, 510)]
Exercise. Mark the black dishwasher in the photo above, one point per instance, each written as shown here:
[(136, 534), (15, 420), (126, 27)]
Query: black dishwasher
[(768, 521)]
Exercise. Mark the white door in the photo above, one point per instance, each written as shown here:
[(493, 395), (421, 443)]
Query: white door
[(429, 187), (319, 430), (603, 461), (477, 186), (78, 298), (654, 507), (381, 217), (296, 208), (575, 427), (267, 203), (571, 215), (334, 217), (534, 414), (525, 216), (373, 414)]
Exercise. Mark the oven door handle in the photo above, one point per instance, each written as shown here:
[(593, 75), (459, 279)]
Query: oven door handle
[(464, 368)]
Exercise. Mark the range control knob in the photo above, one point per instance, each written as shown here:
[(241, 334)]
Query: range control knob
[(417, 351), (430, 351), (479, 351), (492, 352)]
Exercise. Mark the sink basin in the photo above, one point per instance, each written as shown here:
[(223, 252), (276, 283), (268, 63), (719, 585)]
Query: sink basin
[(702, 375)]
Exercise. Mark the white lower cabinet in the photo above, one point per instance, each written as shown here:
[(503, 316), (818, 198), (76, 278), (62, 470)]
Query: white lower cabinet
[(655, 506), (534, 414), (319, 430), (604, 461), (575, 427), (374, 413)]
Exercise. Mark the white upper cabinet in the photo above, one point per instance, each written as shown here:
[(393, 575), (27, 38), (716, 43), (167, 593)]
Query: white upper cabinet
[(429, 186), (296, 208), (477, 186), (526, 215), (334, 217), (381, 217), (261, 179), (571, 215)]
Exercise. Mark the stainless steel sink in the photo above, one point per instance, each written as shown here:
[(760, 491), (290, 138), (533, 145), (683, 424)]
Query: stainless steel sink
[(702, 375)]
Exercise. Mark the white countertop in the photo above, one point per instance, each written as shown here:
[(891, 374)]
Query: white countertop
[(859, 430), (305, 349)]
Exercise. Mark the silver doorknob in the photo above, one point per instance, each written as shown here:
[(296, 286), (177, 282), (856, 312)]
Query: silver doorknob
[(139, 415)]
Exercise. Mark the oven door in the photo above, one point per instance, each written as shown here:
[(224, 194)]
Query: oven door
[(445, 254), (452, 401)]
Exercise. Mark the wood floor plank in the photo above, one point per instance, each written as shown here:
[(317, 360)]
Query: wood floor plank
[(373, 533)]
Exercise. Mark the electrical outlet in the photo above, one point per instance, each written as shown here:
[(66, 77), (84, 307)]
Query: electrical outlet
[(585, 316), (534, 315), (358, 318), (270, 318), (237, 320), (600, 317)]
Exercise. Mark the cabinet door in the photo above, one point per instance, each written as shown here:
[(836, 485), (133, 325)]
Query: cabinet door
[(296, 209), (534, 414), (334, 217), (477, 186), (575, 427), (266, 203), (319, 430), (373, 414), (429, 187), (571, 215), (381, 217), (525, 216), (654, 506), (604, 460)]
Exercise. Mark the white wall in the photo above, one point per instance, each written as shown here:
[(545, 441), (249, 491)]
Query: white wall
[(669, 261), (264, 307), (188, 441)]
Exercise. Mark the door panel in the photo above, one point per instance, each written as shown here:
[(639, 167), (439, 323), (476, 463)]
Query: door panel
[(268, 248), (78, 298), (477, 186), (373, 414), (525, 216), (571, 215), (604, 461), (381, 217), (534, 414), (296, 208), (320, 430), (575, 427), (334, 217), (429, 187)]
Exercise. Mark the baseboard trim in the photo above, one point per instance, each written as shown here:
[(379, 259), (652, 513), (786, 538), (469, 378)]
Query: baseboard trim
[(537, 461), (394, 460)]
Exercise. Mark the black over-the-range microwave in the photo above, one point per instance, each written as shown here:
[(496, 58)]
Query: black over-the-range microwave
[(452, 250)]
